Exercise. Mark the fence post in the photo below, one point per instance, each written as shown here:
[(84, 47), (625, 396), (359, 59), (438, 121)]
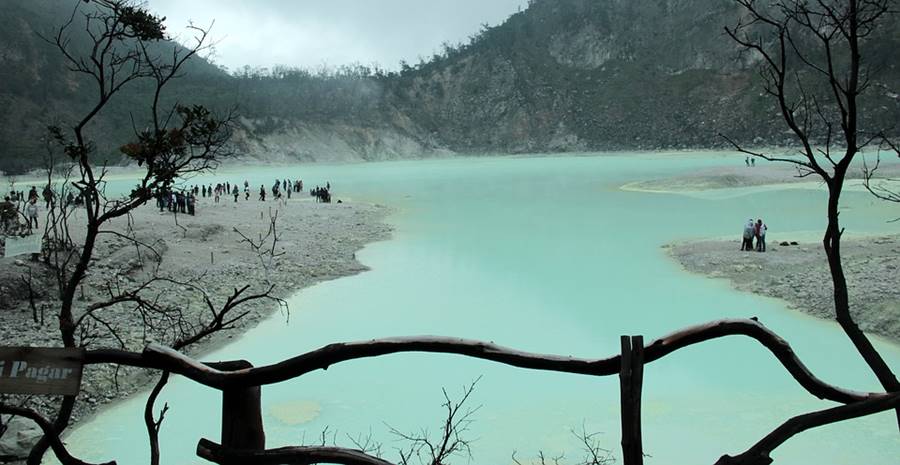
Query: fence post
[(242, 426), (631, 377)]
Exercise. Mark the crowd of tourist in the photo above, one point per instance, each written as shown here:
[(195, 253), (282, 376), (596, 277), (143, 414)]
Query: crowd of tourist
[(20, 211), (19, 205), (185, 200), (177, 201)]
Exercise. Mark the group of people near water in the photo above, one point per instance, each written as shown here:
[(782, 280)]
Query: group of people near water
[(177, 201), (322, 194), (754, 231), (14, 206), (281, 189), (18, 203), (185, 200)]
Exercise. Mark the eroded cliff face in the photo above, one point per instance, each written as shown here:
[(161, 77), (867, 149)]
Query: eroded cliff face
[(585, 48), (574, 75), (284, 141)]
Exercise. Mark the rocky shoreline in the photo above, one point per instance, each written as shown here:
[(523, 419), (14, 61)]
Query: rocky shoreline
[(798, 274), (318, 242)]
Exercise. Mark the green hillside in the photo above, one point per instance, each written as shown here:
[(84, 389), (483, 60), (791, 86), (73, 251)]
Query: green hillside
[(562, 75)]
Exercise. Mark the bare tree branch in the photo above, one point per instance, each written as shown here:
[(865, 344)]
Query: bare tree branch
[(452, 440), (760, 453), (50, 433), (152, 423), (301, 455)]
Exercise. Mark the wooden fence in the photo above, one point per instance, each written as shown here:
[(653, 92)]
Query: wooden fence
[(243, 437)]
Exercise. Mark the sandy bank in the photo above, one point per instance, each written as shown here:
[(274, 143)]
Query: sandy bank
[(319, 242), (799, 275), (739, 175)]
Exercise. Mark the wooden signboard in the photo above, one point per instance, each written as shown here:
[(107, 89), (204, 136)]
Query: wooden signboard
[(33, 370), (23, 245)]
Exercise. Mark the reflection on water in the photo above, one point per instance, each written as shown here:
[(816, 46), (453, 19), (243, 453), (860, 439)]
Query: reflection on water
[(547, 255)]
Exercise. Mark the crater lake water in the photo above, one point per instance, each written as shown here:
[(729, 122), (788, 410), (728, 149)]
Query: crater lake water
[(544, 254)]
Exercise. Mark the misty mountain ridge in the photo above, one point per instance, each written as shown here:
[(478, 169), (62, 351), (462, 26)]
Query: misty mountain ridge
[(559, 76)]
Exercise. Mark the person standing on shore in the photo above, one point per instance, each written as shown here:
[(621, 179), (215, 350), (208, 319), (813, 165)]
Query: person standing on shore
[(262, 193), (7, 215), (31, 213), (47, 193), (191, 203), (747, 242), (760, 230)]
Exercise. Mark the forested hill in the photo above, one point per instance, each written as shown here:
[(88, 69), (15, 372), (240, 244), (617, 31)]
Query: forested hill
[(36, 89), (562, 75), (613, 74)]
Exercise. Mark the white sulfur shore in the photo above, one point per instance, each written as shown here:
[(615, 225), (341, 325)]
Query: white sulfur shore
[(763, 174), (798, 274), (319, 242)]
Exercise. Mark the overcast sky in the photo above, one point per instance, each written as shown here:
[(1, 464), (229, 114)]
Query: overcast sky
[(308, 33)]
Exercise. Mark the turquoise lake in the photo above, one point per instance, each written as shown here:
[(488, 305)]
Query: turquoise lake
[(550, 255)]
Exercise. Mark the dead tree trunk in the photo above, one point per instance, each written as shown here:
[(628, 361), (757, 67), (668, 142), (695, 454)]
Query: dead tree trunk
[(631, 378), (242, 426)]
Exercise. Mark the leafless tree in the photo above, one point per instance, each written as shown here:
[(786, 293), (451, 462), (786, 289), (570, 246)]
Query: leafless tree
[(884, 188), (592, 452), (452, 440), (265, 246), (173, 142), (366, 444), (803, 47)]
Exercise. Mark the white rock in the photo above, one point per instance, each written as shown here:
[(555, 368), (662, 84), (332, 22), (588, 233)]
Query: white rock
[(19, 437)]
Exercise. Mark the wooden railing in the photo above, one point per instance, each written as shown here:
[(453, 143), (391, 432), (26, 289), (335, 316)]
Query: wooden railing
[(243, 436)]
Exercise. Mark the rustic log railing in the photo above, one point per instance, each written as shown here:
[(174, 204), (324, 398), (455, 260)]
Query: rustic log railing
[(631, 377), (243, 437)]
